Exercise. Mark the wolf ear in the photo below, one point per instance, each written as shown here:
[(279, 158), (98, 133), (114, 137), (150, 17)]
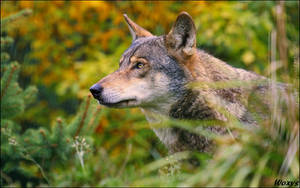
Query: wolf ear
[(181, 40), (136, 30)]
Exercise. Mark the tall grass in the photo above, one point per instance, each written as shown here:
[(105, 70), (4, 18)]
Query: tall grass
[(255, 157)]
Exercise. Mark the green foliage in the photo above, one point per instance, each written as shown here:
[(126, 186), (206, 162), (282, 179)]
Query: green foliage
[(65, 47), (29, 154), (68, 46)]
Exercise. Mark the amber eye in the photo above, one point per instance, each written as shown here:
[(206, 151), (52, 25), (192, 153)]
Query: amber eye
[(139, 65)]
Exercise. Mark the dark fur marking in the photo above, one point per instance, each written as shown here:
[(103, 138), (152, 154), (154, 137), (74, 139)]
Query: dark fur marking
[(190, 141), (191, 106), (231, 95), (184, 40)]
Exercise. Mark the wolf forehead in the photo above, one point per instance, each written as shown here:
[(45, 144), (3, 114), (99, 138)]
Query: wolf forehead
[(150, 48), (154, 51)]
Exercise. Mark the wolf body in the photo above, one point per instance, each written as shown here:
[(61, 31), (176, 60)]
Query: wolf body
[(155, 73)]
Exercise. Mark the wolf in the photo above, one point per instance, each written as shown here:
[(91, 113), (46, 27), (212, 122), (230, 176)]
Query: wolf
[(155, 74)]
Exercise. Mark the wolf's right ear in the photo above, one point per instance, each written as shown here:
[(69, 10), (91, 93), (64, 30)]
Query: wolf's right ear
[(181, 40), (136, 30)]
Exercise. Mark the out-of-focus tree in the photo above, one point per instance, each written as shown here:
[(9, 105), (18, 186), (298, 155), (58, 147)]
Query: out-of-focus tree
[(66, 46), (28, 154), (74, 44)]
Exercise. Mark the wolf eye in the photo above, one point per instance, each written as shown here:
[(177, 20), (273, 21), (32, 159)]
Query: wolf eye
[(139, 65)]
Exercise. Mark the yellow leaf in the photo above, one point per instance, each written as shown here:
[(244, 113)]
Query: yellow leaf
[(248, 57)]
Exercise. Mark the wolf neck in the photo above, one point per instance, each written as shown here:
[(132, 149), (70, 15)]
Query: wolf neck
[(157, 115), (206, 103), (189, 106), (190, 103)]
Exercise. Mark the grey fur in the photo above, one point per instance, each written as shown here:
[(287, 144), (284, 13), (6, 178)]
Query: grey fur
[(163, 90)]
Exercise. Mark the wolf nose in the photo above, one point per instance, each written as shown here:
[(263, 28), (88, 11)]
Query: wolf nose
[(96, 90)]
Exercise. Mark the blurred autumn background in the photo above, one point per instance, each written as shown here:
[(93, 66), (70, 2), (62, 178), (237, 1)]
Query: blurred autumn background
[(64, 47)]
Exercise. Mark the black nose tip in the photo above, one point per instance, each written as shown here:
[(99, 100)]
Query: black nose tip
[(96, 90)]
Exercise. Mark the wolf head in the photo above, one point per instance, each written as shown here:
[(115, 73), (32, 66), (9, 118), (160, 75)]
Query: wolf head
[(151, 71)]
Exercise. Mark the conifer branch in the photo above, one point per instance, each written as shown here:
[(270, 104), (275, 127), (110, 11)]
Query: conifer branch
[(92, 121), (42, 132), (14, 17), (5, 42), (14, 67), (6, 177), (84, 115), (3, 69), (59, 121), (28, 157)]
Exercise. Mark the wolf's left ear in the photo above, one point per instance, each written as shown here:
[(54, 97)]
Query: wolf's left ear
[(136, 30), (181, 40)]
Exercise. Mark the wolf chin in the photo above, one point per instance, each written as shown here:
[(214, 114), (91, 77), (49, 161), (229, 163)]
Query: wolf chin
[(155, 74)]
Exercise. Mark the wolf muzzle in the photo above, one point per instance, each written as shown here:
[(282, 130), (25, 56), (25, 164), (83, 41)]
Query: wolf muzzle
[(96, 91)]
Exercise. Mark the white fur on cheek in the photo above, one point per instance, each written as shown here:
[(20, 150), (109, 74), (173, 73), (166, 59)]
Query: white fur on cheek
[(145, 90)]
